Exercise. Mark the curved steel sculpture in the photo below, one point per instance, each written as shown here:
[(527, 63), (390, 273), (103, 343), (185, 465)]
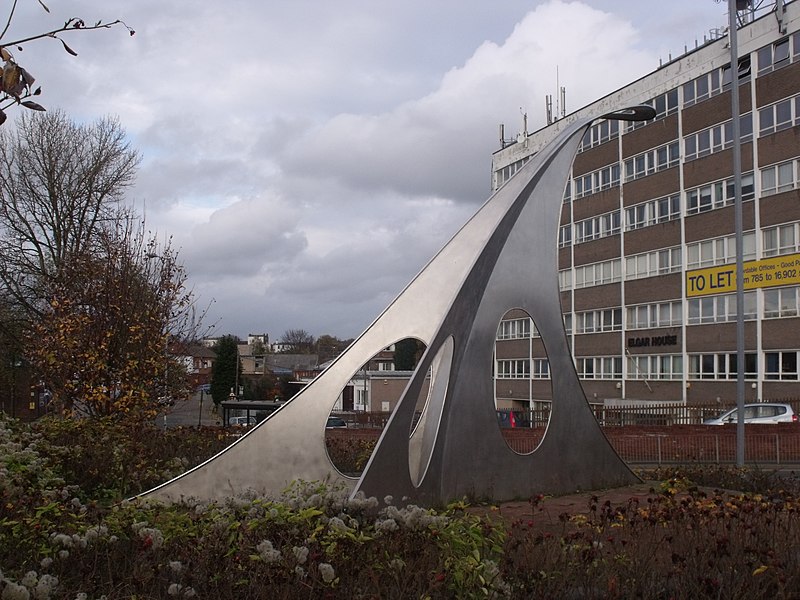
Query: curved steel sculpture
[(504, 256)]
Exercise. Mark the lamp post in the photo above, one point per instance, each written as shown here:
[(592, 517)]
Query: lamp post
[(236, 374), (737, 192), (200, 412)]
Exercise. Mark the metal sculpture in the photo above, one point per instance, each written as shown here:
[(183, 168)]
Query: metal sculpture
[(504, 256)]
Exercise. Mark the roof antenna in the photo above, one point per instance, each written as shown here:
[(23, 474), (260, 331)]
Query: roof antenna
[(523, 137), (562, 94), (561, 102)]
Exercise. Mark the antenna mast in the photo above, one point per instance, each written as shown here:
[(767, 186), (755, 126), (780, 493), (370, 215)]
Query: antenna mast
[(561, 102)]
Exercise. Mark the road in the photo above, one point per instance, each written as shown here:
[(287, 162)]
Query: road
[(189, 413)]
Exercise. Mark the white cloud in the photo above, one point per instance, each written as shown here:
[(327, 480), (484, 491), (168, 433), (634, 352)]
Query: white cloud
[(434, 143)]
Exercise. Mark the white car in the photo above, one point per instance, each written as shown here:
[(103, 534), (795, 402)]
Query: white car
[(763, 412), (242, 421)]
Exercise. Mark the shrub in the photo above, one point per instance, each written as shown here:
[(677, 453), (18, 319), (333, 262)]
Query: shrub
[(64, 533)]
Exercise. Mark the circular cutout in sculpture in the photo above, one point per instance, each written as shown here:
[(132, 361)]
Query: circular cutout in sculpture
[(521, 376), (365, 404)]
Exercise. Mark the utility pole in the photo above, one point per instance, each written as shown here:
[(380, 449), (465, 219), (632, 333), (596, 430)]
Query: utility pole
[(737, 191)]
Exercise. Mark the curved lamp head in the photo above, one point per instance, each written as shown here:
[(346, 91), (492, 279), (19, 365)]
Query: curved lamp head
[(641, 112)]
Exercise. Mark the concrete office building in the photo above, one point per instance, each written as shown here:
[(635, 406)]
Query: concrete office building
[(647, 242)]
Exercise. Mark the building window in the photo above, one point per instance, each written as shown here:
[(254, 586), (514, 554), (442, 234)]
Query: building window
[(564, 236), (599, 367), (568, 323), (713, 83), (597, 227), (720, 309), (596, 181), (609, 271), (773, 56), (514, 329), (781, 115), (652, 161), (659, 366), (565, 280), (514, 369), (721, 366), (719, 251), (509, 171), (716, 138), (717, 194), (650, 264), (653, 212), (595, 321), (778, 178), (780, 365), (781, 302), (658, 314), (541, 368), (665, 105), (782, 239), (599, 134)]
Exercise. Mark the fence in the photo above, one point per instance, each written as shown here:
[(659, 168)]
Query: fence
[(767, 445), (642, 414), (773, 448)]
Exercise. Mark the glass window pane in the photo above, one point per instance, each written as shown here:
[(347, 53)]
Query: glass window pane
[(781, 51), (789, 365), (783, 112), (764, 58), (701, 85), (765, 119), (771, 303), (785, 175), (688, 92), (694, 310), (768, 178), (750, 365)]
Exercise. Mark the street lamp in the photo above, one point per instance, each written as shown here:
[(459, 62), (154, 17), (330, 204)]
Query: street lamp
[(733, 8)]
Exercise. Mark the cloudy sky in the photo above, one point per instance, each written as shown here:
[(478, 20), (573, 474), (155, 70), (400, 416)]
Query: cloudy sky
[(309, 157)]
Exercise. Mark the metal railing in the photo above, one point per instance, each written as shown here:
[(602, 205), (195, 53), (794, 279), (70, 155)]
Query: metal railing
[(661, 434)]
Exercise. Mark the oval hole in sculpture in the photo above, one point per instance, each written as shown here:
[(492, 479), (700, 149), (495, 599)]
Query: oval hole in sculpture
[(366, 403), (521, 376), (428, 412)]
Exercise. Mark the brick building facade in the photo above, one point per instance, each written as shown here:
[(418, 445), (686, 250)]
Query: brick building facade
[(648, 218)]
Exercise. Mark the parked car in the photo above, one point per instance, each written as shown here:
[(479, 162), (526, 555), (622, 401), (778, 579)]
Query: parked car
[(242, 421), (763, 412), (336, 423)]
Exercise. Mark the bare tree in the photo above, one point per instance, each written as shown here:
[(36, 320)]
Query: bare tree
[(60, 185), (299, 340), (16, 83)]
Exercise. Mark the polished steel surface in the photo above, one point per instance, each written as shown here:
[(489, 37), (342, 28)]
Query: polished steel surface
[(504, 257)]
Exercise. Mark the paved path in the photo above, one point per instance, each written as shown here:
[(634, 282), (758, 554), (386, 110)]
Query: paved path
[(190, 413)]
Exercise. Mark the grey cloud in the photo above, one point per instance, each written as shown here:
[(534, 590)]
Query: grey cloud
[(243, 239)]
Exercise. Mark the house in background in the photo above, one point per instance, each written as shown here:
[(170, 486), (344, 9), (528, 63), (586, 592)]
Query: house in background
[(376, 387), (198, 360)]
